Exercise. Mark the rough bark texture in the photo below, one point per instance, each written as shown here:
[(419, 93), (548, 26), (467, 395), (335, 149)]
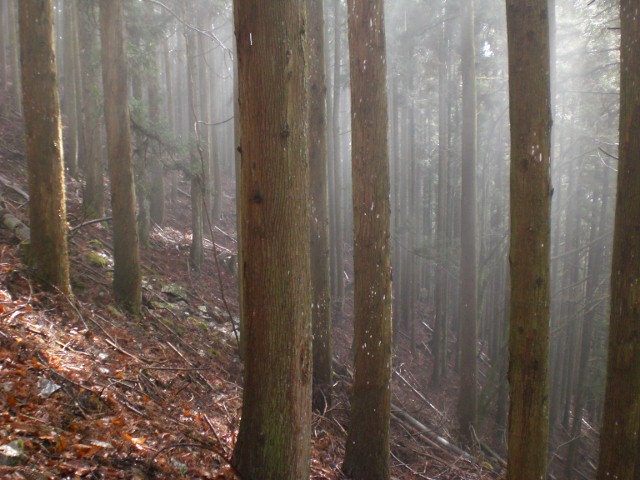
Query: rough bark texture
[(621, 418), (126, 251), (467, 401), (274, 438), (530, 113), (367, 447), (43, 140), (320, 280), (91, 129)]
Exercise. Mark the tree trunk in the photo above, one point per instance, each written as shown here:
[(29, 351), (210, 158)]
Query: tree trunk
[(69, 91), (196, 166), (467, 400), (14, 84), (156, 192), (91, 129), (126, 251), (204, 115), (594, 276), (621, 419), (338, 204), (530, 113), (4, 81), (440, 328), (367, 447), (274, 437), (43, 141), (320, 280)]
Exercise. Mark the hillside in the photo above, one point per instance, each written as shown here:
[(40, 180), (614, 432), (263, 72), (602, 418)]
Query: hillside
[(87, 391)]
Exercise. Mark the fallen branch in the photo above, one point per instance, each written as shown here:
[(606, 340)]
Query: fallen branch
[(5, 182), (91, 222), (15, 225), (434, 438)]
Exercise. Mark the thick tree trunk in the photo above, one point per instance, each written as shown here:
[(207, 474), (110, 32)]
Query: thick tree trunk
[(43, 140), (367, 447), (126, 251), (274, 437), (530, 113), (621, 419)]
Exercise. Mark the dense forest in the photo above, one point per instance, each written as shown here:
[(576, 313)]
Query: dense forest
[(320, 239)]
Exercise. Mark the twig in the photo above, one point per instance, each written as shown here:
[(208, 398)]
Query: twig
[(189, 26), (422, 397), (413, 471), (215, 434), (122, 350)]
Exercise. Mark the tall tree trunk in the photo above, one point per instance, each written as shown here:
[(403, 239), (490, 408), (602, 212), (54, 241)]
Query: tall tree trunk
[(43, 140), (15, 86), (126, 251), (274, 437), (4, 81), (171, 114), (621, 419), (204, 115), (91, 128), (196, 166), (440, 328), (320, 280), (69, 92), (338, 204), (467, 401), (594, 276), (530, 113), (367, 447), (157, 191)]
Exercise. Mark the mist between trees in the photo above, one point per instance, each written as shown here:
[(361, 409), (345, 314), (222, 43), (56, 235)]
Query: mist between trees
[(468, 146)]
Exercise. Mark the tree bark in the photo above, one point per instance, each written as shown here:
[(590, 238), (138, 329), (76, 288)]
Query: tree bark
[(43, 140), (440, 328), (467, 400), (91, 129), (338, 203), (126, 251), (530, 113), (367, 448), (69, 99), (621, 419), (320, 280), (274, 437), (196, 166)]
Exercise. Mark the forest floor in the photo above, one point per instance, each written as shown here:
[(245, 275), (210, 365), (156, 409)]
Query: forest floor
[(88, 391)]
